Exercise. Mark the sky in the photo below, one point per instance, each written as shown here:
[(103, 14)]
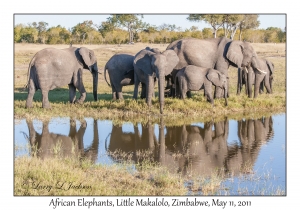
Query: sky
[(68, 21)]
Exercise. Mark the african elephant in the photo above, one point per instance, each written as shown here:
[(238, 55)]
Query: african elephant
[(51, 68), (216, 53), (150, 64), (193, 78), (259, 77), (120, 70), (66, 146)]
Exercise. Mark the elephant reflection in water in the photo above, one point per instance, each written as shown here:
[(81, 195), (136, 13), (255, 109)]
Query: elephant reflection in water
[(253, 133), (192, 149), (125, 142), (200, 150), (50, 144)]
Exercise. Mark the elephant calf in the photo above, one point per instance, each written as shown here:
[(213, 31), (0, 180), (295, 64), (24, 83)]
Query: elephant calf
[(120, 70), (193, 78)]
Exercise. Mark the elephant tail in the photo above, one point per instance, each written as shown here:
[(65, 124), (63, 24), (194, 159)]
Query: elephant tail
[(105, 69), (28, 72)]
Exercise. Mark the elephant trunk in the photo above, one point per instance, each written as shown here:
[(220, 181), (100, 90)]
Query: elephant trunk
[(95, 82), (249, 83), (161, 89), (225, 95)]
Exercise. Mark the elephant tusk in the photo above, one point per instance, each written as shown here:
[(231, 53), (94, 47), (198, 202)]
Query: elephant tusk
[(246, 69), (264, 72)]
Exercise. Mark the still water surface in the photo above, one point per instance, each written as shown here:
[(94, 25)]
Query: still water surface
[(251, 151)]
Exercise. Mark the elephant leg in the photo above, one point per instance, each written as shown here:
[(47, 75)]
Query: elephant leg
[(136, 86), (31, 91), (114, 92), (209, 96), (72, 93), (150, 90), (120, 95), (80, 87), (82, 97), (143, 92), (189, 94), (208, 91), (261, 87), (45, 101), (218, 92), (239, 83), (268, 85), (246, 83)]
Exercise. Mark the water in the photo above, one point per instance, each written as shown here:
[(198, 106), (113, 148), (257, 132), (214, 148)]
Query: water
[(251, 151)]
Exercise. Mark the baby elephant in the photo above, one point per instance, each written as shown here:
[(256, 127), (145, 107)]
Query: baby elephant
[(193, 78)]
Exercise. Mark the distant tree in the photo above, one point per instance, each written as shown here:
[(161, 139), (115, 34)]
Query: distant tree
[(28, 34), (42, 31), (131, 22), (249, 22), (231, 24), (106, 27), (216, 21), (65, 35), (81, 30), (17, 32), (207, 33), (168, 27), (273, 34)]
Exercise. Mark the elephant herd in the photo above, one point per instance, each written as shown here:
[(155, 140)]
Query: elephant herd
[(186, 149), (187, 64)]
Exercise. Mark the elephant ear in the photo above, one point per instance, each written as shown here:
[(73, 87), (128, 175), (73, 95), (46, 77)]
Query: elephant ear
[(87, 55), (215, 77), (271, 66), (143, 61), (235, 53), (172, 60)]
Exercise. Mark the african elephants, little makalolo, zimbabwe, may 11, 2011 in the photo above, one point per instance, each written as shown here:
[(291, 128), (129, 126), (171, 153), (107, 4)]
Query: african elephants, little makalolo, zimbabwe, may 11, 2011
[(150, 64), (193, 78), (259, 78), (216, 53), (52, 68)]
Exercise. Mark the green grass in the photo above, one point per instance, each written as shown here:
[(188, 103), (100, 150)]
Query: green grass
[(32, 175)]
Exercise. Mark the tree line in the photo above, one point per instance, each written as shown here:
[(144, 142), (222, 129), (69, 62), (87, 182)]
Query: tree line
[(127, 28)]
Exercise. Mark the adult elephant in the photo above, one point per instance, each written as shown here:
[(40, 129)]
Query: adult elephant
[(216, 53), (259, 78), (120, 70), (51, 68), (150, 64)]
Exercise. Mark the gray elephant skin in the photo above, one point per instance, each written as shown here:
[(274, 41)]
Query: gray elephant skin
[(193, 78), (262, 77), (216, 53), (52, 68), (120, 70), (150, 64)]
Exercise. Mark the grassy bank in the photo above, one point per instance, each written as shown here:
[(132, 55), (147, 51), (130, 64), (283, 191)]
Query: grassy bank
[(195, 108), (71, 176)]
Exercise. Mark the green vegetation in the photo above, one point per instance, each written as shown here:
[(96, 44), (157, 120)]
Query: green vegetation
[(128, 28)]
